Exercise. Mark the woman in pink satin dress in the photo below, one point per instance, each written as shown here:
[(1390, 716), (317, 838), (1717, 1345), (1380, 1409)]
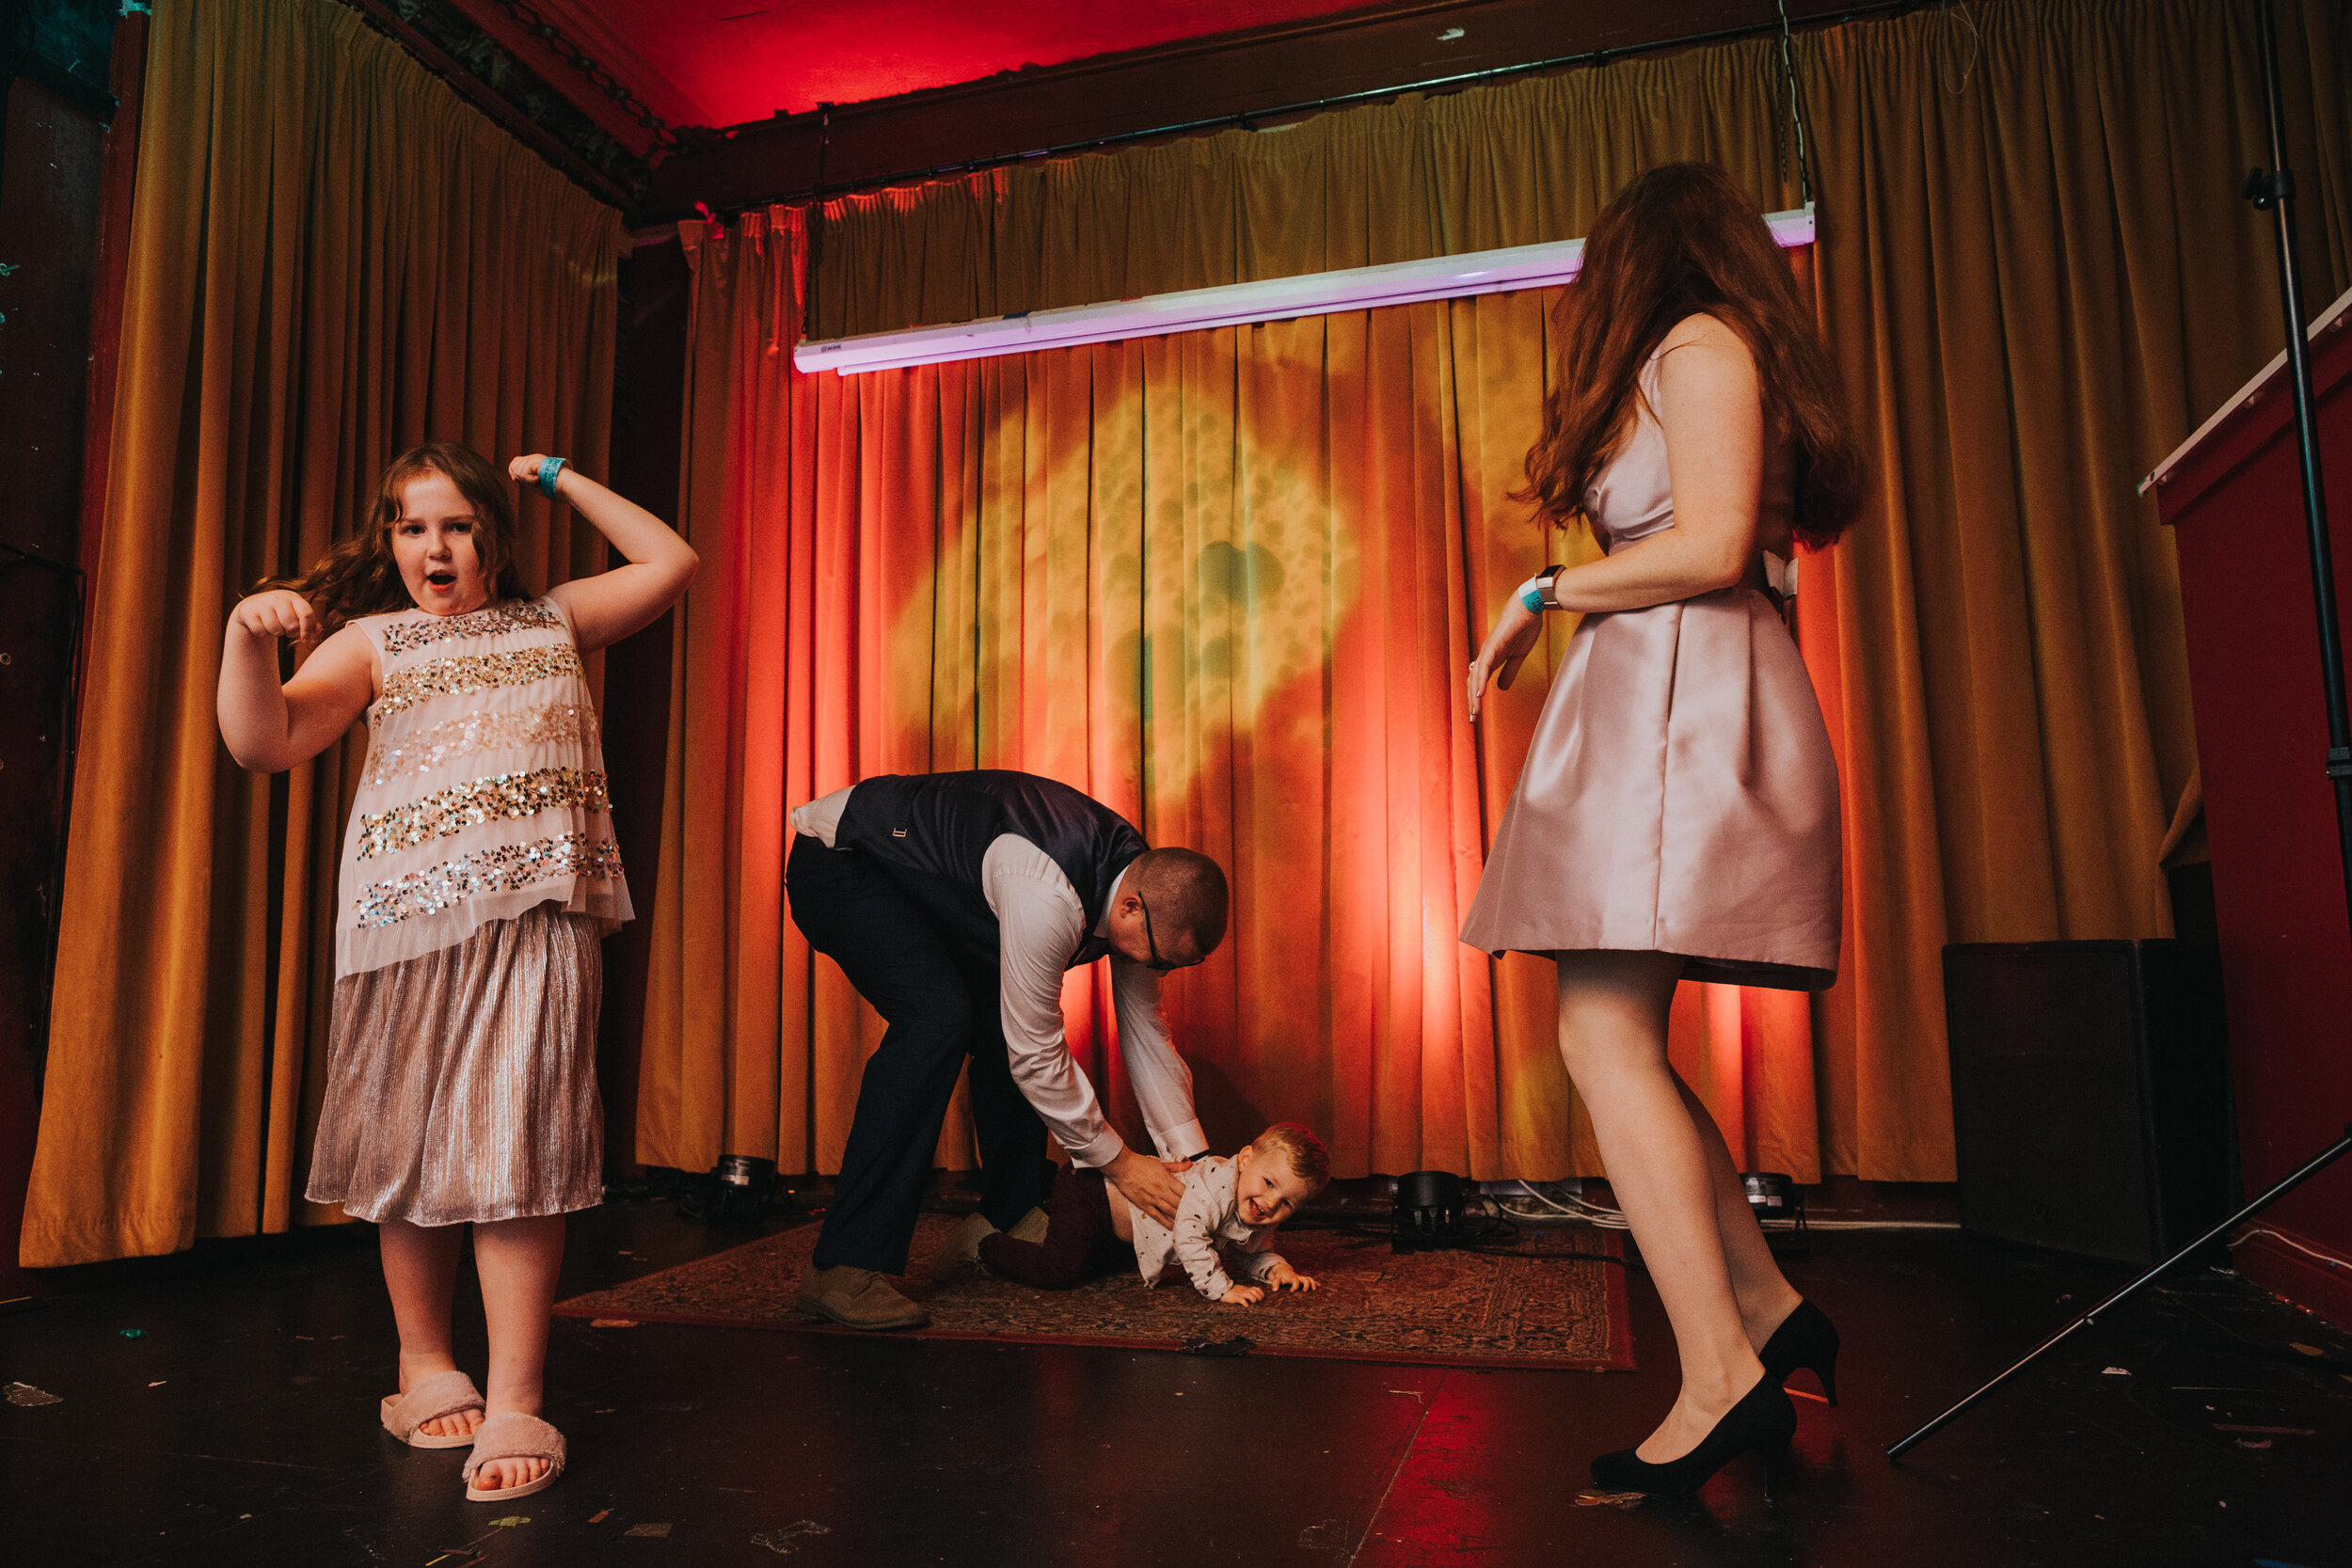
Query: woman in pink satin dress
[(1677, 812)]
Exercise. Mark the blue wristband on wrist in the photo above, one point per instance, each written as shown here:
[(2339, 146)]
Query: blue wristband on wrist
[(1531, 594), (549, 468)]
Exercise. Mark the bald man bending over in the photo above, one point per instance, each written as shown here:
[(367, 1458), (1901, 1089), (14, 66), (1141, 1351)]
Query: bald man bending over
[(955, 903)]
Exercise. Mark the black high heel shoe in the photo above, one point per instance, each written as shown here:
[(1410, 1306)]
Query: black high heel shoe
[(1762, 1421), (1808, 1338)]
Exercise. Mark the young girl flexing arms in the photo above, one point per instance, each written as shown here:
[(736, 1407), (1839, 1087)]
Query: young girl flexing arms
[(479, 871)]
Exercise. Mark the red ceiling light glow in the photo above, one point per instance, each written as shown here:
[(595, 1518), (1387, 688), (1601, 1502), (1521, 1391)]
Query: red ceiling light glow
[(723, 62)]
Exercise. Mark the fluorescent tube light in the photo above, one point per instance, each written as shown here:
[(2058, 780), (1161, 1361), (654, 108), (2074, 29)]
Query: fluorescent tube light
[(1314, 293)]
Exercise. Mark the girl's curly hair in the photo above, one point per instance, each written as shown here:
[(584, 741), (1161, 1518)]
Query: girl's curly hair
[(359, 576)]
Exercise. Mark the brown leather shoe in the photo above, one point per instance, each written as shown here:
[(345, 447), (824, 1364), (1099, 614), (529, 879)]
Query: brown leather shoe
[(858, 1298), (961, 1249)]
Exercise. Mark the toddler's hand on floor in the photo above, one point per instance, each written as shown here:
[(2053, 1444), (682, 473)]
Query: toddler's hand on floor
[(1243, 1295), (1283, 1277)]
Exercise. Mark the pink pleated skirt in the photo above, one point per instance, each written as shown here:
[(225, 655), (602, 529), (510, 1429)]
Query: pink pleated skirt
[(461, 1083), (1679, 795)]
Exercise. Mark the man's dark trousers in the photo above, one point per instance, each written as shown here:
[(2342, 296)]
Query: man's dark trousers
[(937, 988)]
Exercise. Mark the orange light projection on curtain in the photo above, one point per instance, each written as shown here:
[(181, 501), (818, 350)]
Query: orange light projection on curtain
[(917, 569), (1224, 582)]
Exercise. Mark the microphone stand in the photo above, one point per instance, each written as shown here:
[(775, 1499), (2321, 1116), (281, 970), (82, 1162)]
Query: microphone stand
[(2271, 191)]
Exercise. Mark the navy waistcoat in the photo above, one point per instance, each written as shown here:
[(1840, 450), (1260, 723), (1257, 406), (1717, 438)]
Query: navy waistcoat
[(929, 832)]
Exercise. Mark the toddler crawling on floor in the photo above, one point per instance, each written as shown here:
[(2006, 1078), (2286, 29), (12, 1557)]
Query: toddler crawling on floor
[(1231, 1210)]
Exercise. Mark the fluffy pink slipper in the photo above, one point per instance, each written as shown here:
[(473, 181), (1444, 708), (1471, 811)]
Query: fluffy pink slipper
[(511, 1434), (442, 1394)]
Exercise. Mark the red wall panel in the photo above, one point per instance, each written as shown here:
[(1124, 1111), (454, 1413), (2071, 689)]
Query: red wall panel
[(2236, 505)]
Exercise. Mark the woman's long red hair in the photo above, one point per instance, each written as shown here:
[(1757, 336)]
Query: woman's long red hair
[(1683, 239)]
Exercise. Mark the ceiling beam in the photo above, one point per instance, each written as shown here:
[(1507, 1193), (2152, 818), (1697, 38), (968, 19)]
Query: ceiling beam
[(1267, 75), (382, 17)]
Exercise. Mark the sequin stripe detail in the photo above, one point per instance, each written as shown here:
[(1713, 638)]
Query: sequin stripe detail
[(403, 637), (462, 674), (477, 801), (500, 869), (549, 724)]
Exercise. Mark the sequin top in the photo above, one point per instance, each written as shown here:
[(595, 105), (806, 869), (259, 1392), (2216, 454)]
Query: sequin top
[(484, 793)]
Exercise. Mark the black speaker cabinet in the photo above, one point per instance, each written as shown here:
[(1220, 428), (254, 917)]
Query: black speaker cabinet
[(2090, 1094)]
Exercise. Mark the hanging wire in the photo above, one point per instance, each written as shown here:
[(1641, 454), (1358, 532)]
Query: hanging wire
[(783, 329), (1976, 48), (816, 223), (1796, 103)]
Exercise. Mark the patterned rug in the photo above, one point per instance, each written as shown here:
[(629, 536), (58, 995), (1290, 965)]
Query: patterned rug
[(1562, 1307)]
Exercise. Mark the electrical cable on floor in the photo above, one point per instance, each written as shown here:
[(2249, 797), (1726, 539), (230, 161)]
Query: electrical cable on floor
[(2253, 1230), (1566, 1212), (1612, 1219), (1563, 1220), (1575, 1208), (1528, 1189)]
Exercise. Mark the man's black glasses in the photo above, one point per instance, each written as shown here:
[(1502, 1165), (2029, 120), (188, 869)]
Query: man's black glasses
[(1159, 964)]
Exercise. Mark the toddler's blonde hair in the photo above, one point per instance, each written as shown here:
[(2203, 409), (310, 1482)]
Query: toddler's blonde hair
[(1308, 1157)]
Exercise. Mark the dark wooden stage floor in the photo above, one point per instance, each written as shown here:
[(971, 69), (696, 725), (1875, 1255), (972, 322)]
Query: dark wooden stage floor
[(238, 1427)]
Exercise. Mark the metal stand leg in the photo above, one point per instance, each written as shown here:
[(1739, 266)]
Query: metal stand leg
[(2326, 1158), (2273, 192)]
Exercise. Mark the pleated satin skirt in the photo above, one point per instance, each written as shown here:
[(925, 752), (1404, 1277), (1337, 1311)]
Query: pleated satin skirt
[(1679, 795), (462, 1085)]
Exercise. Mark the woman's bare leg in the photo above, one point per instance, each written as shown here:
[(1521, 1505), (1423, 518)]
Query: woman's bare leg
[(1612, 1036), (518, 1261), (421, 1273), (1765, 1295)]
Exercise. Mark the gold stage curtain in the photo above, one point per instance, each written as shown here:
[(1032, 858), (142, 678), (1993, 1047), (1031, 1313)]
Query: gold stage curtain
[(332, 256), (1224, 582), (1228, 582), (2038, 278)]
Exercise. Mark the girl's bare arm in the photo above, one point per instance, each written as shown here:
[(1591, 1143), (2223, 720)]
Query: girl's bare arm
[(270, 727), (608, 607)]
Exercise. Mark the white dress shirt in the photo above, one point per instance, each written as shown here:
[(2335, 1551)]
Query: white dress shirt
[(1041, 926)]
